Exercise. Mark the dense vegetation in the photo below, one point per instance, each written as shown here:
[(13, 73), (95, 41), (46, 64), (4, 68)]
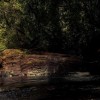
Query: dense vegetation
[(67, 26)]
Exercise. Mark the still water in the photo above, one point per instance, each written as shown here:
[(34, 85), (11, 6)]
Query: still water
[(74, 86)]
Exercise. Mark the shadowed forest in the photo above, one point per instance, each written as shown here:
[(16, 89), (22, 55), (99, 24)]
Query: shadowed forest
[(64, 26)]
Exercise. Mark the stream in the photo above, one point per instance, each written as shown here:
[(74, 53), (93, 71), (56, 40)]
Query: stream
[(74, 86)]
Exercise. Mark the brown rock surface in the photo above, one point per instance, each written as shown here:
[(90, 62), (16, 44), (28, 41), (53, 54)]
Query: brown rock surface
[(16, 63)]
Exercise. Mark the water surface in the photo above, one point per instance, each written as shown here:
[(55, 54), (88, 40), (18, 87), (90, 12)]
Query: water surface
[(74, 86)]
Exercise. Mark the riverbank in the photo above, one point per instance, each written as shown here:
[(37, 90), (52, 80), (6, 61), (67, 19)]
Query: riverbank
[(19, 67), (45, 76), (17, 63)]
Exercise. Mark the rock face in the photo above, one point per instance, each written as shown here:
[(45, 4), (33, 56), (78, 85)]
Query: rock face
[(0, 62), (16, 63)]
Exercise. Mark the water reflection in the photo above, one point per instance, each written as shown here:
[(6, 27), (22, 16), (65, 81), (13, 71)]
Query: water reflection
[(74, 86)]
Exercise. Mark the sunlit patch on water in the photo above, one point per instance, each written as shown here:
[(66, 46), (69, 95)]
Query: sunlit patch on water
[(81, 76)]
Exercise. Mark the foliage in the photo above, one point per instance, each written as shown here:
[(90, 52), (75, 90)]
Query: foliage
[(51, 25)]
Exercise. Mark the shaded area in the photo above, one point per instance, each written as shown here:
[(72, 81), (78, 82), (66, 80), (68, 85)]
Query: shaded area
[(65, 26), (56, 26), (70, 89)]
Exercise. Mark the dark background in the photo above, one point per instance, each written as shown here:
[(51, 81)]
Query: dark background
[(64, 26)]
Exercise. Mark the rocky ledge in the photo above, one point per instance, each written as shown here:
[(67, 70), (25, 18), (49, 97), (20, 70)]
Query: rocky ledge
[(17, 63)]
